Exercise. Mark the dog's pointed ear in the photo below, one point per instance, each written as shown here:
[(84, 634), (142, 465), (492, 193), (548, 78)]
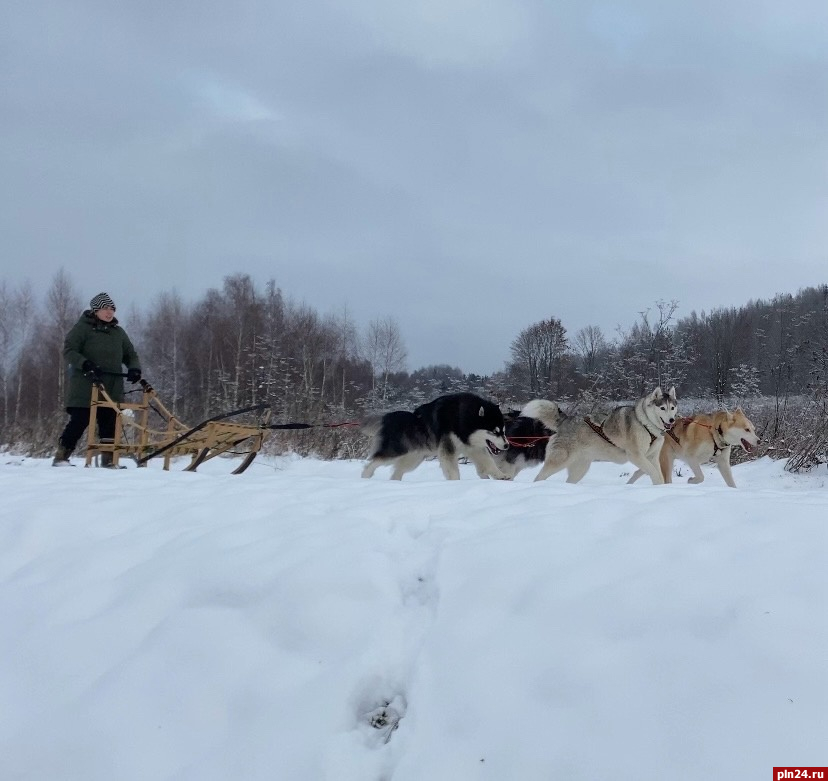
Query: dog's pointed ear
[(740, 410), (672, 393), (657, 394), (482, 411)]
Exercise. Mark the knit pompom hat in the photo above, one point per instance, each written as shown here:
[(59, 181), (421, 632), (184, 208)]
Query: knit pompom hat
[(101, 301)]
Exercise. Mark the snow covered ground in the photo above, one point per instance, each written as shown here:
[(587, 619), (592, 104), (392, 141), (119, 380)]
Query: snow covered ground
[(170, 626)]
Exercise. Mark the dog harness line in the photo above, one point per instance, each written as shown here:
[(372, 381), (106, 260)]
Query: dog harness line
[(530, 441), (716, 446), (599, 430)]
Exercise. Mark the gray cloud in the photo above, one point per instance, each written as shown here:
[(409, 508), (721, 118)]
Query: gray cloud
[(468, 166)]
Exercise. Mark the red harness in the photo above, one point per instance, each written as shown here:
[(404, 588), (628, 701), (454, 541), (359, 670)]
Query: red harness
[(716, 446)]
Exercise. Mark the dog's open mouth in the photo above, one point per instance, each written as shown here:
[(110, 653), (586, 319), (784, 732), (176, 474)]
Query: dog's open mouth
[(747, 446), (493, 449)]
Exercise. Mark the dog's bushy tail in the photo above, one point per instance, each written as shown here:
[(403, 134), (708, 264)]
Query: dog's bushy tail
[(547, 412), (371, 425)]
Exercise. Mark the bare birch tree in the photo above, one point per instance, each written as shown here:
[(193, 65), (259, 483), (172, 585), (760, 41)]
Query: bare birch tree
[(6, 368), (537, 354), (591, 346), (345, 348), (63, 303), (162, 348), (384, 349), (23, 307)]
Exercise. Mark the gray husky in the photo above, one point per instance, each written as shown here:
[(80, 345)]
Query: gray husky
[(630, 433), (448, 427)]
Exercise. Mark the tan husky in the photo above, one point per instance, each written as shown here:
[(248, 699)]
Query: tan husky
[(703, 438)]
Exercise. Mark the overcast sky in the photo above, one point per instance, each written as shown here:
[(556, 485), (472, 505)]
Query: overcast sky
[(467, 166)]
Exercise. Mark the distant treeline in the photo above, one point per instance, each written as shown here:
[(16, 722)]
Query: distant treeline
[(241, 345)]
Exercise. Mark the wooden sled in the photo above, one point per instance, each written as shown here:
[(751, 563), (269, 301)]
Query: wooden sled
[(213, 437)]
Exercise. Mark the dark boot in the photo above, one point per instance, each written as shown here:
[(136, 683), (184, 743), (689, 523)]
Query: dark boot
[(107, 462), (62, 456)]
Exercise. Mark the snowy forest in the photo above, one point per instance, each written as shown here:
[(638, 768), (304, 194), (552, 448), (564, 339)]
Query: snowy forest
[(242, 345)]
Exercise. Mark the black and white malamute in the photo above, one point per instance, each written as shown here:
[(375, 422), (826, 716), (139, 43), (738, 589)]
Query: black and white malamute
[(459, 424)]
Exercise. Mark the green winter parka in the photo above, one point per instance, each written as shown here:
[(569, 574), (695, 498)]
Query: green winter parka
[(106, 345)]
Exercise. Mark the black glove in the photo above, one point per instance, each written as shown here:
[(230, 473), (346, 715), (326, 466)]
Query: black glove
[(91, 370), (133, 375)]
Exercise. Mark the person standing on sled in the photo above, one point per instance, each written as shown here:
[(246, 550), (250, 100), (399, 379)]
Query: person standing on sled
[(96, 349)]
